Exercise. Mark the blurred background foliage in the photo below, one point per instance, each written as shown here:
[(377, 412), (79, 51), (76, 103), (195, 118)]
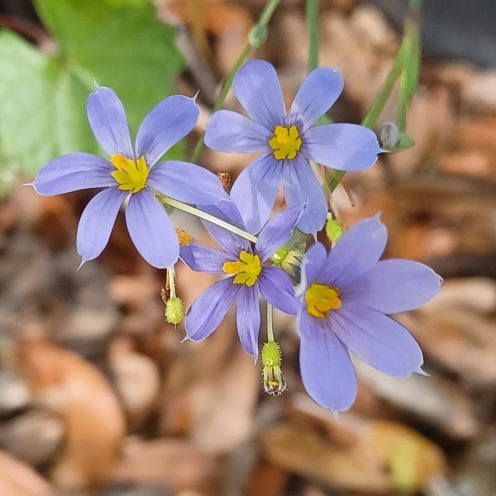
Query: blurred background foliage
[(43, 89)]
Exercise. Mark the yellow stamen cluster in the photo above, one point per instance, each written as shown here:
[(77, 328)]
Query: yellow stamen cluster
[(286, 143), (321, 299), (246, 270), (130, 175)]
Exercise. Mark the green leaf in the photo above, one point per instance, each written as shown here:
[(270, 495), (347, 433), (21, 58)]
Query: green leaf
[(42, 114), (126, 48), (405, 142)]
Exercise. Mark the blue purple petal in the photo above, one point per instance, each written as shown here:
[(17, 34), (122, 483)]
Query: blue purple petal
[(170, 121), (378, 340), (277, 232), (347, 147), (257, 88), (210, 308), (204, 259), (325, 365), (301, 186), (394, 286), (185, 182), (231, 132), (248, 319), (255, 191), (151, 230), (227, 211), (355, 254), (311, 267), (315, 97), (277, 289), (73, 172), (97, 221), (108, 121)]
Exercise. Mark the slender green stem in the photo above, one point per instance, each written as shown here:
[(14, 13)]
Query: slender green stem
[(172, 283), (228, 83), (403, 102), (267, 12), (385, 92), (262, 21), (270, 325), (203, 215), (377, 105), (222, 96), (335, 179), (312, 12), (415, 5)]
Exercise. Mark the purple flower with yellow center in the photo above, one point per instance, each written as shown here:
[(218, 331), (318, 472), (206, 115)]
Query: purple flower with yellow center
[(345, 298), (132, 174), (287, 143), (247, 277)]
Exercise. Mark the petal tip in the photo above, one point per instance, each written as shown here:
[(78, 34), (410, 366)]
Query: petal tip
[(83, 261), (421, 371)]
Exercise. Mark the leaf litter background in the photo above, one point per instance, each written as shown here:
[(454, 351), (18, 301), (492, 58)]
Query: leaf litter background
[(98, 396)]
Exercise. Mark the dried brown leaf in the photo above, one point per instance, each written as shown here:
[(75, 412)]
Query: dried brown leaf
[(94, 423)]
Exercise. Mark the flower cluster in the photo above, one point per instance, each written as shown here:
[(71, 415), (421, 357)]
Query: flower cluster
[(344, 297)]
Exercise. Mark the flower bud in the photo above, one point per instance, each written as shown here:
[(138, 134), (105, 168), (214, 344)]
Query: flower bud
[(289, 261), (393, 140), (273, 379), (390, 135), (174, 310), (258, 35)]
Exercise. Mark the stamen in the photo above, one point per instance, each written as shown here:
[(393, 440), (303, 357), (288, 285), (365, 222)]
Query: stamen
[(321, 299), (130, 175), (246, 270), (286, 143)]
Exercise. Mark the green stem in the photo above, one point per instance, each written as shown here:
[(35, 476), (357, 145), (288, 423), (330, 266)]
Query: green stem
[(267, 12), (221, 98), (210, 218), (378, 104), (403, 102), (312, 13), (262, 21), (385, 92), (172, 283), (270, 325)]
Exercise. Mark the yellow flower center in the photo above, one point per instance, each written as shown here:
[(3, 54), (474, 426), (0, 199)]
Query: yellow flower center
[(320, 299), (285, 143), (130, 175), (246, 270)]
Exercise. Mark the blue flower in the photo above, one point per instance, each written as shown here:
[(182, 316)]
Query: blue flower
[(287, 143), (345, 298), (134, 174), (248, 276)]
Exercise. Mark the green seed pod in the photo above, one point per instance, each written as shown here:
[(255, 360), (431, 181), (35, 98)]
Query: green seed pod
[(174, 310), (273, 379), (334, 230), (271, 354), (279, 256)]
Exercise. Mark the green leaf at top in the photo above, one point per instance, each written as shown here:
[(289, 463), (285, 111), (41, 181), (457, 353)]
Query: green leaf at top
[(125, 48), (42, 106)]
